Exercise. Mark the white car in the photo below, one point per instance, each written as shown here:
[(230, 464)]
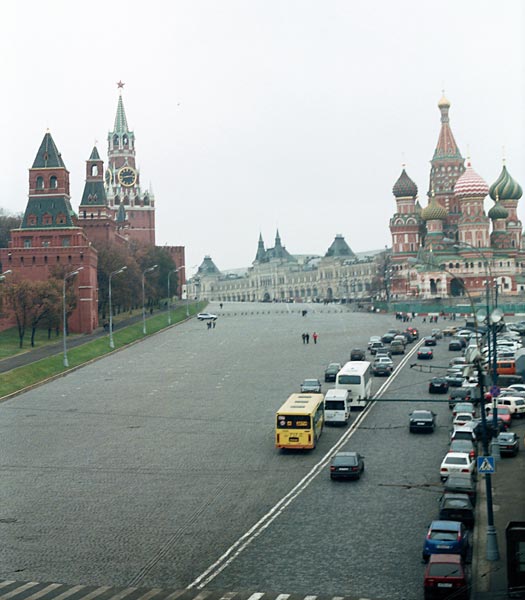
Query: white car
[(456, 462), (519, 387), (462, 419), (206, 317), (516, 404)]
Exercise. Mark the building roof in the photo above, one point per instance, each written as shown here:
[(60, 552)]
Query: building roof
[(470, 185), (94, 154), (49, 213), (339, 248), (121, 123), (505, 187), (404, 187), (446, 145), (207, 267), (433, 211), (48, 156), (498, 211), (94, 194)]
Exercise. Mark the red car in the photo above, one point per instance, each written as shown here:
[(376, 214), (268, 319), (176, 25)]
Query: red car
[(445, 577), (504, 415)]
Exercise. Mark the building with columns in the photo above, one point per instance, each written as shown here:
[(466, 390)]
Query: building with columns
[(451, 247), (276, 275)]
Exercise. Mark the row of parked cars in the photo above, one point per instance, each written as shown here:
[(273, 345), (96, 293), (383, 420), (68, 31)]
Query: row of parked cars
[(383, 347), (448, 543)]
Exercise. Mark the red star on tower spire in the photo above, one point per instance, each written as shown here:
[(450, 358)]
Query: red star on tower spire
[(120, 84)]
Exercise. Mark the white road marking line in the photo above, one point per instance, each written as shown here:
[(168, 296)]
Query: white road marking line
[(174, 595), (256, 596), (49, 588), (6, 583), (19, 590), (70, 592), (124, 593), (150, 594), (265, 521), (282, 597), (99, 591)]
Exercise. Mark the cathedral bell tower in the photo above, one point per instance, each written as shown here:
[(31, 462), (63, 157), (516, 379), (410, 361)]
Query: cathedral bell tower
[(122, 180)]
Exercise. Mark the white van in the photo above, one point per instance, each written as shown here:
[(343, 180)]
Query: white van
[(337, 407)]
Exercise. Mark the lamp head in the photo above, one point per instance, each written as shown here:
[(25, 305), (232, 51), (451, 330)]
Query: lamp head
[(496, 315)]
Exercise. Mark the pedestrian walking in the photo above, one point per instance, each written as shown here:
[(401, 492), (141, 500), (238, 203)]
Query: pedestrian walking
[(304, 338), (208, 325), (315, 336), (213, 324), (307, 338)]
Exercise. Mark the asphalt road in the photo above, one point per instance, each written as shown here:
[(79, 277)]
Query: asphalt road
[(147, 467)]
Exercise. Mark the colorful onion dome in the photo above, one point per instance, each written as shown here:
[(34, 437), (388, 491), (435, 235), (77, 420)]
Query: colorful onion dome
[(470, 185), (433, 211), (404, 187), (443, 102), (505, 187)]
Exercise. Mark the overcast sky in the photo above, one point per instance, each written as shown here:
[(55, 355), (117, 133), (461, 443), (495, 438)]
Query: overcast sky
[(255, 115)]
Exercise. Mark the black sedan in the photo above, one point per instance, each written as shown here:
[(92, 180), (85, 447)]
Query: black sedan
[(509, 443), (430, 341), (457, 507), (347, 465), (357, 354), (461, 483), (438, 385), (425, 354), (331, 371), (422, 421)]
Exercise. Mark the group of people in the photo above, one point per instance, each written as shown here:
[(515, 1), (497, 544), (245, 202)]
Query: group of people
[(211, 324), (306, 337)]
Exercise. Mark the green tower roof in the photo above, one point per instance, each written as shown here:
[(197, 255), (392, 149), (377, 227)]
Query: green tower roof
[(121, 123), (48, 156)]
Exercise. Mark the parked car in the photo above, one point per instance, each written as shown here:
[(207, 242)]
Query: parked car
[(347, 465), (503, 415), (357, 354), (456, 462), (312, 386), (515, 403), (462, 418), (462, 394), (509, 443), (463, 407), (422, 421), (454, 379), (400, 337), (445, 577), (430, 341), (384, 351), (436, 333), (388, 337), (461, 483), (450, 331), (382, 366), (206, 316), (446, 537), (455, 345), (397, 347), (457, 360), (425, 354), (457, 507), (438, 385), (467, 446), (467, 432), (373, 339), (374, 346), (331, 371)]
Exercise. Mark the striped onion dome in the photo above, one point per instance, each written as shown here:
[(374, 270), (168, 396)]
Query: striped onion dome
[(443, 102), (433, 211), (404, 187), (505, 187), (498, 211), (470, 185)]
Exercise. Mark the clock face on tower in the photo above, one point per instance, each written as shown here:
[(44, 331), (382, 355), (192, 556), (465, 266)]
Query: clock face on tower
[(127, 176)]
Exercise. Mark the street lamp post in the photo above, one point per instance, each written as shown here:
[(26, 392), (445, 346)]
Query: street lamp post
[(64, 318), (111, 342), (492, 551), (2, 276), (169, 294), (148, 270)]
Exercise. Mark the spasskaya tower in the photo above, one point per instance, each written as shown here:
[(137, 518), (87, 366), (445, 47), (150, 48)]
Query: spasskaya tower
[(122, 181)]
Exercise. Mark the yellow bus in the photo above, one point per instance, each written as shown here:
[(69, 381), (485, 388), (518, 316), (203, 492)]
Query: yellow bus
[(299, 421)]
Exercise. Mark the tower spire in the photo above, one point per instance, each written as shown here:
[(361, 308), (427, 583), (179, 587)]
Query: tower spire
[(121, 123)]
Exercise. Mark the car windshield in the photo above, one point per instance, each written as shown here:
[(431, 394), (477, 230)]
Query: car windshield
[(313, 382), (505, 437), (345, 460), (444, 536), (455, 460), (421, 414), (455, 503), (445, 570), (349, 379)]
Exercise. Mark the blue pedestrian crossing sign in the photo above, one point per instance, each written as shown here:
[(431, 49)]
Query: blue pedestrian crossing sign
[(486, 465)]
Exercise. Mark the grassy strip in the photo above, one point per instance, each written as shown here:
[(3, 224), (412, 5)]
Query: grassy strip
[(38, 371)]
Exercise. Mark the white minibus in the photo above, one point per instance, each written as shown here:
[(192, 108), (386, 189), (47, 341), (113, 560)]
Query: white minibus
[(355, 377), (337, 407)]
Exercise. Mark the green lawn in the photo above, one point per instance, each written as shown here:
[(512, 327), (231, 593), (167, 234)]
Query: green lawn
[(18, 379), (10, 343)]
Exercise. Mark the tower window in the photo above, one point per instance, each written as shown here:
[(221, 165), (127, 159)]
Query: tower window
[(39, 183), (31, 220), (125, 140), (53, 182), (27, 243), (47, 219), (115, 140), (61, 218), (94, 170)]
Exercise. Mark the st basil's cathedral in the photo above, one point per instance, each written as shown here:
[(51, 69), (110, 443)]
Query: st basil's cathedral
[(451, 247)]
